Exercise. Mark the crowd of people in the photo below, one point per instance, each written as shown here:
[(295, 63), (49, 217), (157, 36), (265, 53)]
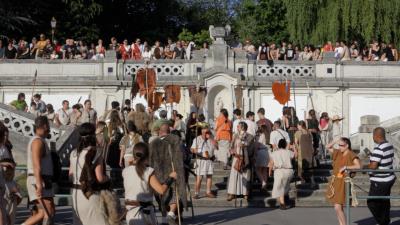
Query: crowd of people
[(157, 154), (44, 48), (342, 51), (137, 50)]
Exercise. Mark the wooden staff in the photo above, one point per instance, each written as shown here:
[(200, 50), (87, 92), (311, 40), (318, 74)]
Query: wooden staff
[(176, 185), (34, 85)]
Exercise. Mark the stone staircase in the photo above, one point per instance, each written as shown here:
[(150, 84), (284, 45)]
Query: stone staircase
[(306, 195)]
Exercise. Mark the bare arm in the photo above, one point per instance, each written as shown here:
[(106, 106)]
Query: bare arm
[(37, 152), (100, 176), (157, 186)]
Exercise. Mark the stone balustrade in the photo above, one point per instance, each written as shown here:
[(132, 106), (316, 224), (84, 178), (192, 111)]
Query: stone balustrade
[(23, 123), (108, 71)]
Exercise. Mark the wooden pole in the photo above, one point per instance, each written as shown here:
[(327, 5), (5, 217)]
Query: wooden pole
[(176, 186)]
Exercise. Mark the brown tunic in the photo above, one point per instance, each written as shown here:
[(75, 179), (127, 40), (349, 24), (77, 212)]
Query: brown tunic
[(336, 195)]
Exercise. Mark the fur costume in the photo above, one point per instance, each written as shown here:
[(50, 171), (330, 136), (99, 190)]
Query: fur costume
[(141, 80), (155, 100), (140, 118), (281, 91), (173, 93), (111, 206), (197, 96), (160, 160)]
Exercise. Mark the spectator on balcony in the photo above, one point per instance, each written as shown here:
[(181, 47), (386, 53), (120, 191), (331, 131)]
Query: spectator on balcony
[(41, 106), (205, 49), (250, 50), (32, 46), (394, 52), (273, 52), (387, 53), (179, 51), (168, 54), (10, 52), (92, 52), (354, 53), (365, 54), (171, 45), (57, 47), (328, 47), (20, 103), (136, 52), (316, 55), (282, 51), (69, 49), (82, 47), (338, 50), (41, 44), (157, 51), (89, 115), (375, 51), (296, 53), (23, 50), (306, 54), (263, 51), (54, 55), (62, 117), (125, 50), (100, 50), (50, 114), (146, 54), (345, 56), (290, 53), (2, 49), (48, 49)]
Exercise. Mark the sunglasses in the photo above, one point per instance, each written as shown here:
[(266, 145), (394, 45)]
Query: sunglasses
[(343, 145)]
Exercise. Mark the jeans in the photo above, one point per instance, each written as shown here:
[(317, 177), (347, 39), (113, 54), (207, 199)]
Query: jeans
[(380, 208)]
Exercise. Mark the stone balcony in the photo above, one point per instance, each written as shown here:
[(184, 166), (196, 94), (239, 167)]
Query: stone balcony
[(186, 72)]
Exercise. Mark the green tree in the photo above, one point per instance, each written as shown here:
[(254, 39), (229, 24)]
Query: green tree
[(262, 20), (185, 35), (201, 37)]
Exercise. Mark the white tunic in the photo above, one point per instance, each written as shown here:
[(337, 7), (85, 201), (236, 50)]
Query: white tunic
[(86, 211), (203, 167), (137, 189)]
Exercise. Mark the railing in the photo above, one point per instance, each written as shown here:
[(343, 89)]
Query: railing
[(22, 123), (348, 189)]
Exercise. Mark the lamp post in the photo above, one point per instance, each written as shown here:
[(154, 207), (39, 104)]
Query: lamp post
[(53, 24)]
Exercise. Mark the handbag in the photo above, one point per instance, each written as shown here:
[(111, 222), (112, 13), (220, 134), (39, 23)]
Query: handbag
[(239, 164)]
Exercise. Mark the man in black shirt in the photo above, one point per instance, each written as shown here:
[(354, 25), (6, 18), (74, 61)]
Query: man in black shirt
[(11, 51)]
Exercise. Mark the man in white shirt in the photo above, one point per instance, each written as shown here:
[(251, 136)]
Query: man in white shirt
[(278, 134), (251, 125), (63, 115), (238, 118), (203, 146)]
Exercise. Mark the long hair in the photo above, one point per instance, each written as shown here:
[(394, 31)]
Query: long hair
[(347, 141), (115, 122), (87, 132), (140, 154)]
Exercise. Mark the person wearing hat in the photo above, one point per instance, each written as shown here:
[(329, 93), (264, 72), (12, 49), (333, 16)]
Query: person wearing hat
[(140, 183)]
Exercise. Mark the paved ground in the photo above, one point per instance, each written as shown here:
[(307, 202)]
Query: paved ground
[(250, 216)]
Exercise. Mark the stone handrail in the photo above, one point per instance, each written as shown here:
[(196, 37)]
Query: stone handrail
[(23, 123)]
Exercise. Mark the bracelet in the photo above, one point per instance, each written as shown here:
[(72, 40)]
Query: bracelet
[(169, 181)]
